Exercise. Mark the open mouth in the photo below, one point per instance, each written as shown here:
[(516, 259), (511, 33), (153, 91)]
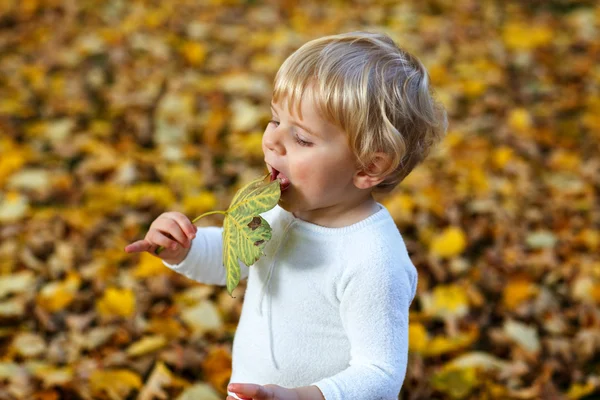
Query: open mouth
[(284, 180)]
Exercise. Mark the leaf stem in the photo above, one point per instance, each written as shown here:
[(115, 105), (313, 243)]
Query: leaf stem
[(209, 213), (161, 248)]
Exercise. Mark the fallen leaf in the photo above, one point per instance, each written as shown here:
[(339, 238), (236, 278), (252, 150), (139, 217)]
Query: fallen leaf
[(147, 344), (202, 317), (451, 242), (116, 302), (117, 383), (199, 391)]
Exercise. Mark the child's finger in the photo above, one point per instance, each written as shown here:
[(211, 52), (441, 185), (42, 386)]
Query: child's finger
[(159, 239), (249, 391), (185, 224), (138, 247), (171, 229)]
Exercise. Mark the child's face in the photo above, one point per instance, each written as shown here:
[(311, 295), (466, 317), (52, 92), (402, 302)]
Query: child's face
[(315, 158)]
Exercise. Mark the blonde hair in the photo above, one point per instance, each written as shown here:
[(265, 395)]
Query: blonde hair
[(374, 91)]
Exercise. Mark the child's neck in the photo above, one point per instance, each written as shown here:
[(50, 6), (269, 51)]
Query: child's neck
[(340, 215)]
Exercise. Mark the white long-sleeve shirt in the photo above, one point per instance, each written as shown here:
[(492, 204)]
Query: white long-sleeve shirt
[(324, 306)]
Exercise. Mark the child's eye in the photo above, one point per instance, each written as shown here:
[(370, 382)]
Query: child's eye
[(274, 122), (302, 142)]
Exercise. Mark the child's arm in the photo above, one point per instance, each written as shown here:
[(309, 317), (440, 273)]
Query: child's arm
[(374, 301), (195, 253)]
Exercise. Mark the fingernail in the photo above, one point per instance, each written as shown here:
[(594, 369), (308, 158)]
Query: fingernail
[(174, 247), (230, 387)]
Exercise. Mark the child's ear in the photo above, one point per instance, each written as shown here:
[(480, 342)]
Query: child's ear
[(374, 173)]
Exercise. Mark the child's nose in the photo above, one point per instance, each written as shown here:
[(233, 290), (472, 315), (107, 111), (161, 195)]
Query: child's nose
[(273, 143)]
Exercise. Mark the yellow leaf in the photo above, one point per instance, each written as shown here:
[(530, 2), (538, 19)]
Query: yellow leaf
[(520, 120), (12, 160), (502, 156), (101, 128), (439, 74), (577, 390), (400, 206), (194, 53), (149, 266), (446, 344), (565, 160), (478, 181), (473, 88), (53, 376), (116, 383), (265, 63), (518, 290), (453, 139), (526, 36), (148, 344), (417, 337), (589, 238), (183, 178), (154, 18), (149, 192), (432, 198), (446, 301), (199, 203), (119, 302), (56, 296), (247, 144), (103, 198), (217, 368), (169, 327), (451, 242), (457, 383)]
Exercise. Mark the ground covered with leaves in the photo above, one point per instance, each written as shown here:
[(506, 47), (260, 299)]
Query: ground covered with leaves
[(112, 112)]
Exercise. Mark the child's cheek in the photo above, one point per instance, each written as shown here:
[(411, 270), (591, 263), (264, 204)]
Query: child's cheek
[(302, 174)]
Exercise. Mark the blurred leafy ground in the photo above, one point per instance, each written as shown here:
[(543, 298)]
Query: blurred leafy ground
[(112, 112)]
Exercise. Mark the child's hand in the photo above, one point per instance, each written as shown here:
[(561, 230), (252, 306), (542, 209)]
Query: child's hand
[(172, 230), (249, 391)]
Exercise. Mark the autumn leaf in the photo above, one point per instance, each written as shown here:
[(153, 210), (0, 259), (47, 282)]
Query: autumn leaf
[(57, 295), (455, 382), (160, 377), (116, 383), (119, 302), (147, 344), (217, 367), (245, 233), (446, 301), (451, 242)]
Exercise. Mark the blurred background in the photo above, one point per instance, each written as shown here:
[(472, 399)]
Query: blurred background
[(113, 111)]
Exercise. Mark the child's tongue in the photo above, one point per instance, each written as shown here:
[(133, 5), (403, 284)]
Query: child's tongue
[(284, 180)]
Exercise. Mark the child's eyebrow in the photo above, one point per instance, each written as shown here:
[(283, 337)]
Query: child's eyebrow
[(299, 124)]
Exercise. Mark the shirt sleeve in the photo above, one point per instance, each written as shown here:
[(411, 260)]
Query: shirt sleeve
[(204, 261), (374, 307)]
